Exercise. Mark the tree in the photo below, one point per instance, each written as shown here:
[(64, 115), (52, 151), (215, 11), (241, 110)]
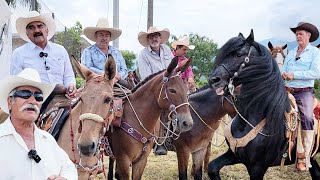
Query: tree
[(25, 3), (129, 57), (71, 40)]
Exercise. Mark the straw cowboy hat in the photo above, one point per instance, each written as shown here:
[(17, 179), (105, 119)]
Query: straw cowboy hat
[(33, 16), (307, 27), (27, 77), (184, 40), (142, 36), (102, 25)]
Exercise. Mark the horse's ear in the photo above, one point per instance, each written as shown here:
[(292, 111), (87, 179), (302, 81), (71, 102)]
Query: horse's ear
[(184, 66), (171, 67), (241, 35), (270, 46), (284, 47), (110, 68), (81, 70), (250, 38), (318, 46)]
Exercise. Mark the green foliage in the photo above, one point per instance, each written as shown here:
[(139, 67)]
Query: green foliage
[(79, 82), (317, 88), (129, 57), (71, 40)]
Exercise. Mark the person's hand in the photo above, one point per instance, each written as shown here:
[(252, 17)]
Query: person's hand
[(288, 76), (71, 90), (183, 62), (191, 84), (55, 177)]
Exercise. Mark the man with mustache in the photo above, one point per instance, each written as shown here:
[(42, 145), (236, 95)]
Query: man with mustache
[(155, 57), (301, 67), (24, 147), (49, 59), (95, 56)]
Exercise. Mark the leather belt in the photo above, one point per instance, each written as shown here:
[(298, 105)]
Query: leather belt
[(295, 90)]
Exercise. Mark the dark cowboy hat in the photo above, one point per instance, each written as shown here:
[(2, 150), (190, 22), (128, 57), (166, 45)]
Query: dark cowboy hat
[(307, 27)]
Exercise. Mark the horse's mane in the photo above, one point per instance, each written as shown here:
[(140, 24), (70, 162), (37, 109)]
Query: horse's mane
[(141, 83), (262, 89)]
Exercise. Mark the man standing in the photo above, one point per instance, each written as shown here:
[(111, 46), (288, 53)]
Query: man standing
[(156, 56), (49, 59), (95, 56), (24, 148), (301, 67)]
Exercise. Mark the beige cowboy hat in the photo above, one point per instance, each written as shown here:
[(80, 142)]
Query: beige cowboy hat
[(102, 25), (142, 36), (184, 40), (307, 27), (27, 77), (33, 16)]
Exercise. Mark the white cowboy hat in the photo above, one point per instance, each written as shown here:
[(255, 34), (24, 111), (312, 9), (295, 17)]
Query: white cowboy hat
[(34, 16), (184, 40), (27, 77), (102, 25), (142, 36)]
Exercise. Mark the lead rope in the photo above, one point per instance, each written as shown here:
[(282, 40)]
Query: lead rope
[(71, 133)]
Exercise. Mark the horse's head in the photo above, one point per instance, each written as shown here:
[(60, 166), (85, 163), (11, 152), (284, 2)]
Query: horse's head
[(95, 105), (278, 53), (173, 96), (233, 62)]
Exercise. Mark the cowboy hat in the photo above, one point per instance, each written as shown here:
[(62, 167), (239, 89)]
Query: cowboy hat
[(184, 40), (27, 77), (307, 27), (33, 16), (102, 25), (142, 36)]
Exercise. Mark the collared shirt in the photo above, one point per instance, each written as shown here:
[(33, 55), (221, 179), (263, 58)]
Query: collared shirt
[(306, 68), (149, 62), (188, 72), (16, 165), (54, 69), (93, 58)]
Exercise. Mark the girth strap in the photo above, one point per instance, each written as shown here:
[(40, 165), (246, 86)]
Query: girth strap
[(242, 142)]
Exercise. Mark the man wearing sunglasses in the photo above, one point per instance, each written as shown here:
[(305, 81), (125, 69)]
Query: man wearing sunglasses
[(32, 151)]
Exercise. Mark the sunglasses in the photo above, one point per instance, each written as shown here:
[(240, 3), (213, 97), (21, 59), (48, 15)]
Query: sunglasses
[(26, 94)]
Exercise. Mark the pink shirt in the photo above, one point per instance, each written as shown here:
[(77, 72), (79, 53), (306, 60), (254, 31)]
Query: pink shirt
[(188, 72)]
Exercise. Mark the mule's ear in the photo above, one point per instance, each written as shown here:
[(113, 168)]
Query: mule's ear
[(250, 38), (82, 71), (184, 66), (318, 46), (110, 68), (270, 45), (240, 35), (171, 67), (284, 47)]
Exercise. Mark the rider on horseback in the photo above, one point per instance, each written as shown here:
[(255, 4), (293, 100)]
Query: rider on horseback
[(300, 69)]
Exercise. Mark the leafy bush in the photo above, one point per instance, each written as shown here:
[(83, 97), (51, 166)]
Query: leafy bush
[(79, 82)]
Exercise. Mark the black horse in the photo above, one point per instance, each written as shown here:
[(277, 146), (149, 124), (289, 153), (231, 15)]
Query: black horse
[(244, 63)]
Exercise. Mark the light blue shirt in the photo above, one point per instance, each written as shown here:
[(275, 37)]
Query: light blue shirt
[(306, 69), (93, 58)]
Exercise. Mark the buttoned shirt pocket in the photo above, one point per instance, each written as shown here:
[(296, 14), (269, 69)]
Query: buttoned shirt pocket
[(56, 66), (167, 57)]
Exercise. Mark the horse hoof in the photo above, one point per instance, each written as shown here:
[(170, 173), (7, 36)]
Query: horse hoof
[(160, 150)]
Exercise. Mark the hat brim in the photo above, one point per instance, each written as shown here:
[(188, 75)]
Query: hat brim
[(12, 82), (46, 18), (89, 32), (143, 40), (174, 45), (310, 28)]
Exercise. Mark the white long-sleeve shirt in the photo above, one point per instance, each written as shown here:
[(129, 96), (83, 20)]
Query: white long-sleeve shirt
[(54, 69), (15, 163)]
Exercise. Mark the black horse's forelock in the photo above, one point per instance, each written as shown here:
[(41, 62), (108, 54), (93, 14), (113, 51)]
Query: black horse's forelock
[(145, 81)]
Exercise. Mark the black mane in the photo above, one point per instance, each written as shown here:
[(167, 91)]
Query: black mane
[(145, 81)]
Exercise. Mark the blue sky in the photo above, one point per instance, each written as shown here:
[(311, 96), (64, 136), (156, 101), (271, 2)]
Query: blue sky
[(219, 20)]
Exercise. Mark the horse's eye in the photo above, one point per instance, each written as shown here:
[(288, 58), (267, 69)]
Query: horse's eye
[(172, 91), (107, 100)]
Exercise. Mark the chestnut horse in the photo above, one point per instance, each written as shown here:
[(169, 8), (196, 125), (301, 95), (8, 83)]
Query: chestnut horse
[(131, 144), (277, 53), (81, 134), (207, 109)]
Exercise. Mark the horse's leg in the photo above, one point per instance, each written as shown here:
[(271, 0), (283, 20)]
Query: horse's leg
[(315, 170), (138, 167), (198, 158), (257, 172), (110, 172), (183, 159), (207, 158), (215, 165), (122, 168)]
